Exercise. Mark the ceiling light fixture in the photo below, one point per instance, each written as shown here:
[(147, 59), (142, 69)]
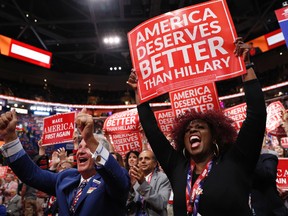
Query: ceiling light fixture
[(115, 68), (111, 40)]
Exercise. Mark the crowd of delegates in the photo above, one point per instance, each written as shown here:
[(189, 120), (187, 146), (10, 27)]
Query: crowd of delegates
[(28, 200), (203, 145), (150, 187)]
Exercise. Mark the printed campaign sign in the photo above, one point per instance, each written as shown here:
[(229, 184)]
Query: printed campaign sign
[(237, 114), (274, 115), (284, 142), (123, 129), (165, 120), (184, 47), (58, 128), (200, 98), (122, 121), (126, 141), (282, 16), (274, 140), (282, 173), (3, 171)]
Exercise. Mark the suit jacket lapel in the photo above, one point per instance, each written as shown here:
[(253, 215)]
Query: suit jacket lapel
[(68, 187), (90, 188), (153, 179)]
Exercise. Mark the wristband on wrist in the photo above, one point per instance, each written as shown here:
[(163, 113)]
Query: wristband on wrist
[(249, 65)]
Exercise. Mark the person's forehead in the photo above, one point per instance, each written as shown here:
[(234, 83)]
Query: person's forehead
[(132, 154), (82, 143), (197, 121), (148, 154)]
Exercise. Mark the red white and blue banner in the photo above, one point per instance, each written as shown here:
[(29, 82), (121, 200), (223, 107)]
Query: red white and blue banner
[(282, 16)]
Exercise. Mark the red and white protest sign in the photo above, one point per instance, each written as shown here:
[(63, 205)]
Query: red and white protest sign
[(275, 111), (200, 98), (126, 141), (165, 120), (3, 171), (274, 141), (284, 142), (237, 114), (122, 121), (58, 128), (282, 173), (123, 130), (184, 47)]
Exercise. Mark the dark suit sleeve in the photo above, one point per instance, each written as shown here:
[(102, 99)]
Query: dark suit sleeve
[(116, 178), (161, 147), (266, 169), (251, 134), (29, 173)]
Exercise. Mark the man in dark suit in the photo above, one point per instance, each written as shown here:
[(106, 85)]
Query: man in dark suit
[(106, 180), (265, 199), (254, 50)]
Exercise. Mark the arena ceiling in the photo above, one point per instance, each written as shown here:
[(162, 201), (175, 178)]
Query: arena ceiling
[(73, 30)]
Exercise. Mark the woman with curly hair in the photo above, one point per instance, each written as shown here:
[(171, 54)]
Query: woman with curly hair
[(221, 128), (211, 168)]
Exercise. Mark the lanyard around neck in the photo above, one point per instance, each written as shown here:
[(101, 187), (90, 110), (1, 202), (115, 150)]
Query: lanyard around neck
[(193, 191), (149, 177)]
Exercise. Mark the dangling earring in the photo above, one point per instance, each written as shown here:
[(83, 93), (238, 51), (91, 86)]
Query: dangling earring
[(184, 153), (216, 151)]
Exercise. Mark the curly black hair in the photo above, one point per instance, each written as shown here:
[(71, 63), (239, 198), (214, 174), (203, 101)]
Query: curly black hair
[(221, 126)]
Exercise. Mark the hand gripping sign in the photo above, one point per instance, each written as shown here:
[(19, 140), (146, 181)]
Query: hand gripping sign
[(184, 47)]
